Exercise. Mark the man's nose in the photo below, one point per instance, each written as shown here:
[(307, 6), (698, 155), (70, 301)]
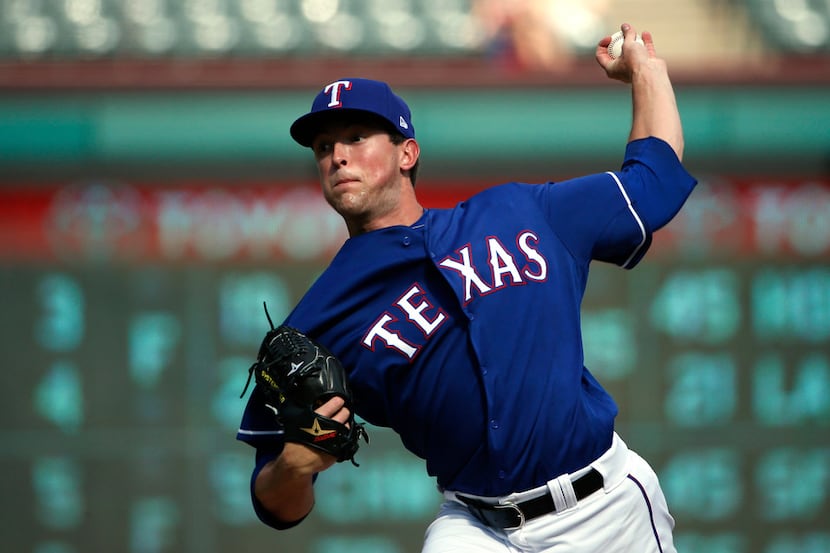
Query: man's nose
[(340, 152)]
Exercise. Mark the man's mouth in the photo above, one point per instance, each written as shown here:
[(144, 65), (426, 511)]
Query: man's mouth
[(343, 180)]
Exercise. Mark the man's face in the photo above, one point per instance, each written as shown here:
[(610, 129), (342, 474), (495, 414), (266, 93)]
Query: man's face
[(360, 169)]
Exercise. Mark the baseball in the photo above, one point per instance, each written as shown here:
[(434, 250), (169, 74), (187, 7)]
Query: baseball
[(616, 44)]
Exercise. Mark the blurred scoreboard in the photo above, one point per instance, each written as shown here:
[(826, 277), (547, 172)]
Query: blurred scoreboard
[(131, 313)]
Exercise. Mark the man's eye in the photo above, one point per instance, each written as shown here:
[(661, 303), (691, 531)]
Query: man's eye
[(358, 137), (322, 148)]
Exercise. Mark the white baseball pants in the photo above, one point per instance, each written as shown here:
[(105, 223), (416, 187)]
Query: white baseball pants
[(628, 515)]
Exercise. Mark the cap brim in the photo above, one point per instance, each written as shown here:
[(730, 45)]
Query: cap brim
[(306, 128)]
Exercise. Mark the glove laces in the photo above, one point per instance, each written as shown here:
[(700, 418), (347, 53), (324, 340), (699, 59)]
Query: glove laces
[(257, 362)]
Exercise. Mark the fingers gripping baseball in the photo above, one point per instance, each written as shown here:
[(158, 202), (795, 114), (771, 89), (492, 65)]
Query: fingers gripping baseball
[(623, 52)]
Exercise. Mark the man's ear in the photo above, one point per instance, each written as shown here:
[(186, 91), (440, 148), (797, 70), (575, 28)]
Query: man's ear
[(409, 154)]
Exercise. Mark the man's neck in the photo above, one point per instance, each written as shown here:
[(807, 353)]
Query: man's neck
[(405, 216)]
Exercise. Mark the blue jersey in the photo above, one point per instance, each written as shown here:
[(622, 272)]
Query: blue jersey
[(462, 331)]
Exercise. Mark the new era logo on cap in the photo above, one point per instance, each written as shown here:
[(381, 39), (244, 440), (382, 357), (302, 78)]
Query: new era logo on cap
[(356, 95)]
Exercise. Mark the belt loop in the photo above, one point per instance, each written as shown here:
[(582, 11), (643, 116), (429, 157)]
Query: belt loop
[(562, 492)]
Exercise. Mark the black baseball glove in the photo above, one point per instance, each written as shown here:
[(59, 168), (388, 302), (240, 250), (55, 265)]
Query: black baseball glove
[(297, 375)]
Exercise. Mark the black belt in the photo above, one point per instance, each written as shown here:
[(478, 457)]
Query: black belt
[(513, 515)]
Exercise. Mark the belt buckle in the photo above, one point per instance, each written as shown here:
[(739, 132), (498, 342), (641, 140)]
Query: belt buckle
[(511, 505)]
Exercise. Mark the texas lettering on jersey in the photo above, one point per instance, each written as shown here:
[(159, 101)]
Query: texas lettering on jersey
[(501, 270)]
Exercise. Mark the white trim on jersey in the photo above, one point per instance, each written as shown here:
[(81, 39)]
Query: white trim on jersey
[(260, 432), (636, 218)]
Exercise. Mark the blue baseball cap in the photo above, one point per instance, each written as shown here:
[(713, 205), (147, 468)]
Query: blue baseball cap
[(354, 95)]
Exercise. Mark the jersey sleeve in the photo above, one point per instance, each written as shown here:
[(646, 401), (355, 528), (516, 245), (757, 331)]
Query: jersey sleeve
[(612, 216), (259, 427)]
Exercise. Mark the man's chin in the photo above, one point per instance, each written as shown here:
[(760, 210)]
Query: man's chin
[(348, 209)]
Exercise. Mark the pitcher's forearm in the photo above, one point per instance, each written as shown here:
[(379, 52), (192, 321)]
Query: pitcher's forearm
[(655, 110), (284, 490)]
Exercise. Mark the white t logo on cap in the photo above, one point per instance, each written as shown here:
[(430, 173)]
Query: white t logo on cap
[(334, 89)]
